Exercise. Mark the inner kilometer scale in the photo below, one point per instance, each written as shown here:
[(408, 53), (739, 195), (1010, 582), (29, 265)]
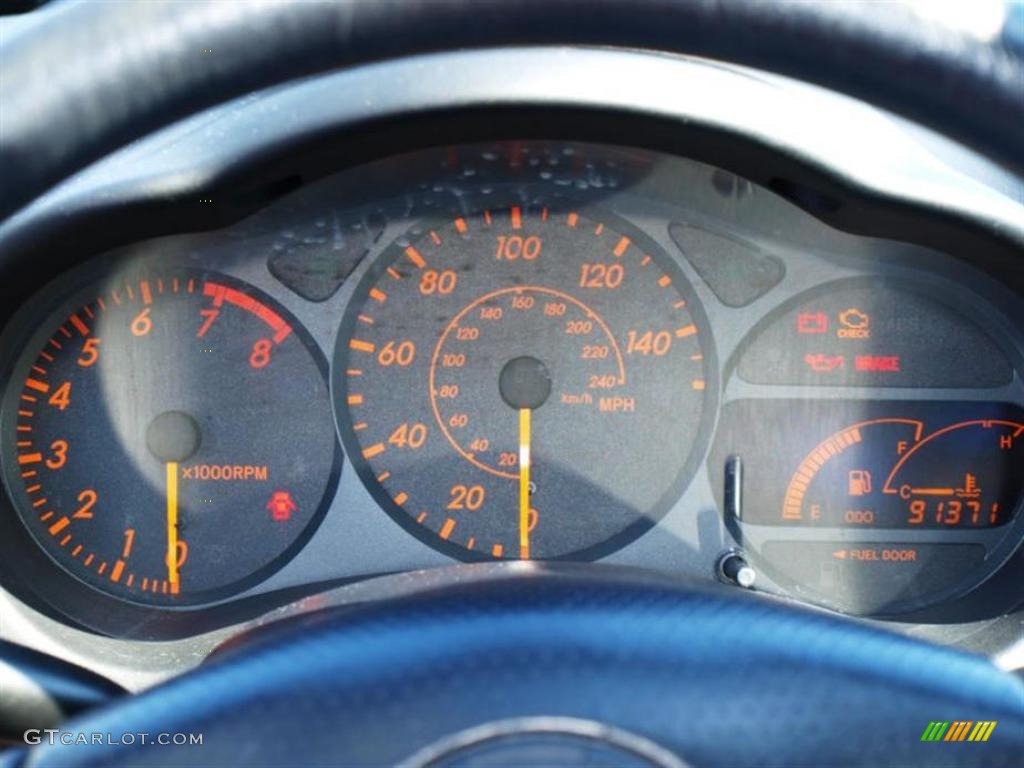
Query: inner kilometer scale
[(524, 383), (168, 436)]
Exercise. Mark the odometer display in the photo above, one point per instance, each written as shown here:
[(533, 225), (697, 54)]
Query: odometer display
[(524, 383)]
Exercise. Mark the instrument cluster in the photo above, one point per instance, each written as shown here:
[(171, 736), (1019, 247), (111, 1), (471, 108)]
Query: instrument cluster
[(515, 351)]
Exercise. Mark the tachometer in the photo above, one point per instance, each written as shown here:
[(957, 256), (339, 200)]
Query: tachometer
[(168, 438), (524, 383)]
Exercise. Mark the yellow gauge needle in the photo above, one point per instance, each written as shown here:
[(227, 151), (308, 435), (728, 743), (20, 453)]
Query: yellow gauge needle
[(524, 483), (172, 525)]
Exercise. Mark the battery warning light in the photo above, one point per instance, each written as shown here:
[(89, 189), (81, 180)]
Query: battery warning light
[(812, 322), (281, 506)]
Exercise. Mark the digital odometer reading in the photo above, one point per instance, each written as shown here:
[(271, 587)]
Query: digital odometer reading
[(168, 438), (523, 383)]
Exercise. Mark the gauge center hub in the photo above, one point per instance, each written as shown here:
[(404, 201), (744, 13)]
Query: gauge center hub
[(525, 383), (173, 436)]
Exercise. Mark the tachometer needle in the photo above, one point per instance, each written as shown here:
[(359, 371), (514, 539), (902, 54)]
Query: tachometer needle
[(524, 483), (172, 525)]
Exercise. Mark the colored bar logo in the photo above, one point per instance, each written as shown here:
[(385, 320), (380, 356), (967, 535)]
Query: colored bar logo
[(959, 730)]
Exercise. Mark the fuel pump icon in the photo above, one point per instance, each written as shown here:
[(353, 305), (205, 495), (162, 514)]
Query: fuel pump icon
[(859, 482)]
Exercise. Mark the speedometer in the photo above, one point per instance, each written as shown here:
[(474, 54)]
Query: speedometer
[(524, 383)]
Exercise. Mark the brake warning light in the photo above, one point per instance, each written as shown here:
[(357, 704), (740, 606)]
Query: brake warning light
[(877, 363)]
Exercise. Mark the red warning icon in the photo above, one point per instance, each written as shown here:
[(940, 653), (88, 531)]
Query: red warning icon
[(281, 506)]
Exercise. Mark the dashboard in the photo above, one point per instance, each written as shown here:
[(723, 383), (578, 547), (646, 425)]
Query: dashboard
[(527, 349)]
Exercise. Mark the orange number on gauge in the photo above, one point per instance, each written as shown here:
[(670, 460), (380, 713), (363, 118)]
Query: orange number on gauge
[(917, 510), (129, 540), (401, 354), (954, 513), (578, 327), (601, 275), (90, 353), (260, 356), (469, 497), (142, 324), (60, 454), (409, 436), (516, 247), (453, 360), (87, 499), (441, 283), (61, 398), (209, 316), (649, 343)]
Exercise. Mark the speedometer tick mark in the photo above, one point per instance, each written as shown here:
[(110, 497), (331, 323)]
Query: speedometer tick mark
[(415, 257)]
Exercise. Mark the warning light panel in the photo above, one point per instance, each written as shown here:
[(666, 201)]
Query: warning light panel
[(874, 335)]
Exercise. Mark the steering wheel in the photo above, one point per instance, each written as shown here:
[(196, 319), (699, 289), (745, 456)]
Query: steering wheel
[(521, 665)]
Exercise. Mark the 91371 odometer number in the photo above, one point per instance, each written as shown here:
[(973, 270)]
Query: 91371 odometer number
[(524, 383)]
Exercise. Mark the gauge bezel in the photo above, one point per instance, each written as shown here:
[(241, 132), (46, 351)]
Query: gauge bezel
[(392, 252), (278, 146), (962, 303), (58, 586)]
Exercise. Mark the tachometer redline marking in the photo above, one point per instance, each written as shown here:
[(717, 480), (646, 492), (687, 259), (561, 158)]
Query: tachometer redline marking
[(222, 293)]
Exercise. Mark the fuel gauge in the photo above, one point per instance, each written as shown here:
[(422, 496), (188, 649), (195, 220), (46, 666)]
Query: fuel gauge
[(900, 504)]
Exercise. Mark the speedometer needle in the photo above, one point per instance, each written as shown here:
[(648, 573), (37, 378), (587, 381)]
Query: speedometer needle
[(172, 525), (524, 483)]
